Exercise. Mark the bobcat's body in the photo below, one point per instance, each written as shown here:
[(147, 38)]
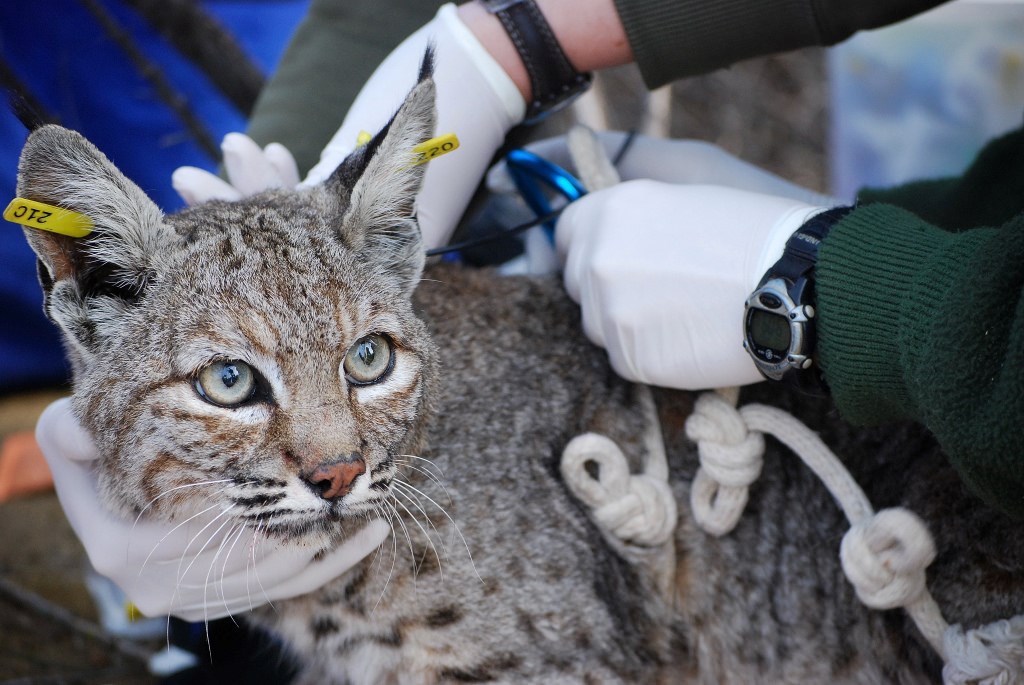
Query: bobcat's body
[(494, 572)]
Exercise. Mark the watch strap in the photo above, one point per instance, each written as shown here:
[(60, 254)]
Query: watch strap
[(796, 268), (801, 252), (554, 82)]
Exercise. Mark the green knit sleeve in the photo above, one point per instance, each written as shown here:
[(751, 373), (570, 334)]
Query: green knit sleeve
[(676, 38), (921, 317)]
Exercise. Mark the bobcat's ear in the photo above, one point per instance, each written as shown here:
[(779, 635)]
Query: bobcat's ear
[(113, 263), (379, 222)]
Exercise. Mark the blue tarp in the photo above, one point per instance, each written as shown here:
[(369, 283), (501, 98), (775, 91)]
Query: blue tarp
[(80, 74)]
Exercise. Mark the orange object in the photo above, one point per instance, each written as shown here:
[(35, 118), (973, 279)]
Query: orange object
[(23, 469)]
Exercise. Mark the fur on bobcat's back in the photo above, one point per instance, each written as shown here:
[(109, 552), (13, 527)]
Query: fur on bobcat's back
[(278, 359)]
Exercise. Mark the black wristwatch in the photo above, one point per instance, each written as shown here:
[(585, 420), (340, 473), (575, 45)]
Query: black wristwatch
[(778, 319), (554, 81)]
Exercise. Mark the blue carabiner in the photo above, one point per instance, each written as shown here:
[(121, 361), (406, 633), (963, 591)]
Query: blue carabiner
[(527, 168)]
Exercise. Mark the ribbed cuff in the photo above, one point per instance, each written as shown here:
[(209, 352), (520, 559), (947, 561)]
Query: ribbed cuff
[(878, 275), (675, 38)]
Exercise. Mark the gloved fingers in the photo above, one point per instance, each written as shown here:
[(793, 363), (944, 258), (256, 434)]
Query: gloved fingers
[(247, 167), (570, 241), (212, 572), (476, 100), (574, 244), (61, 437), (196, 185), (215, 585), (283, 162), (69, 451), (243, 561)]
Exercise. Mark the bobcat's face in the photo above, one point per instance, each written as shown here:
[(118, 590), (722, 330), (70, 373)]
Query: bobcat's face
[(266, 372), (256, 361)]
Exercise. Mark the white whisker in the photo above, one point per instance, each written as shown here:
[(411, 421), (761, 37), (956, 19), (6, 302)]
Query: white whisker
[(455, 525), (436, 480), (428, 462), (240, 528), (167, 535), (175, 489), (430, 540), (256, 574), (390, 514)]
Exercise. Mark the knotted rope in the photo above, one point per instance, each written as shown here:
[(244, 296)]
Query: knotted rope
[(884, 555), (637, 509)]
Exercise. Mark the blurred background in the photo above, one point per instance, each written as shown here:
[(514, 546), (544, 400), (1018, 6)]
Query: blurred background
[(156, 84)]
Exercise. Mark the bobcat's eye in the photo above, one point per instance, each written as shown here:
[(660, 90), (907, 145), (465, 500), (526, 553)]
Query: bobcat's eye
[(227, 383), (369, 360)]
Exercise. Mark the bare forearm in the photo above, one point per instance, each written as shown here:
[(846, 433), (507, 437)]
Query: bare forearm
[(589, 31)]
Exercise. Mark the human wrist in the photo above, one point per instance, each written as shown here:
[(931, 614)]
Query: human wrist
[(595, 40), (492, 36), (785, 226), (780, 315)]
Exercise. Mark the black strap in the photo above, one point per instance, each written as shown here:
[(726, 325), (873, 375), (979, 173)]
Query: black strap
[(801, 252), (553, 80)]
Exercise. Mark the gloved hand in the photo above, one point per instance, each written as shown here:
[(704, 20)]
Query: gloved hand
[(182, 570), (670, 161), (250, 170), (661, 272), (476, 100)]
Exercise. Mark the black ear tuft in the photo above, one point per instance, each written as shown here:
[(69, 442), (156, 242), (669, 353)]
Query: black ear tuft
[(29, 111), (427, 65)]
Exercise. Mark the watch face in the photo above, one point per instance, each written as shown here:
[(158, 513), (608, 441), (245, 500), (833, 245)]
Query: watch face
[(769, 334)]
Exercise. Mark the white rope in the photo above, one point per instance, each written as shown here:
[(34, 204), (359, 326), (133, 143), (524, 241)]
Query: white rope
[(883, 555), (636, 508), (730, 458), (990, 655)]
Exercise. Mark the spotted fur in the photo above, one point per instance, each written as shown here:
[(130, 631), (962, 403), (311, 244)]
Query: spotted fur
[(494, 573)]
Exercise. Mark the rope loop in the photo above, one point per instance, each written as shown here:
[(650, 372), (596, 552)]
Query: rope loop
[(885, 557), (731, 457), (636, 508), (989, 655)]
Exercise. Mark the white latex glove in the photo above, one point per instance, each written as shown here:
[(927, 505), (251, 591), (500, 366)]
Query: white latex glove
[(670, 161), (249, 168), (476, 100), (184, 571), (661, 272)]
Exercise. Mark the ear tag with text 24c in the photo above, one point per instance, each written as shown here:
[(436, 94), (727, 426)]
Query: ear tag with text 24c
[(48, 218)]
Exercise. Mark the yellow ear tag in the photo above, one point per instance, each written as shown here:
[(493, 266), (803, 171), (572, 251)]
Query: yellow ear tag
[(434, 148), (131, 612), (363, 138), (48, 218)]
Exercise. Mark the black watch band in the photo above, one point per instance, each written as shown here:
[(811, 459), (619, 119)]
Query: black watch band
[(779, 318), (801, 251), (553, 80)]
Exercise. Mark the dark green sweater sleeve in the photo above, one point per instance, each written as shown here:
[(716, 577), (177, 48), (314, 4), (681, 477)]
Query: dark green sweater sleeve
[(676, 38), (921, 315)]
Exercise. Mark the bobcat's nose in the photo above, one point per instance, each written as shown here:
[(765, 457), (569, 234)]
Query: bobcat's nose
[(332, 480)]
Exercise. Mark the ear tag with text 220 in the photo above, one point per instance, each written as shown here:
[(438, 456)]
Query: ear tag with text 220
[(434, 148)]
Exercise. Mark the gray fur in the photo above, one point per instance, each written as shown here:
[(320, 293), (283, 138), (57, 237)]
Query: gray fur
[(495, 573)]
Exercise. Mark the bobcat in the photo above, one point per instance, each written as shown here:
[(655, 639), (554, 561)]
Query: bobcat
[(289, 360)]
